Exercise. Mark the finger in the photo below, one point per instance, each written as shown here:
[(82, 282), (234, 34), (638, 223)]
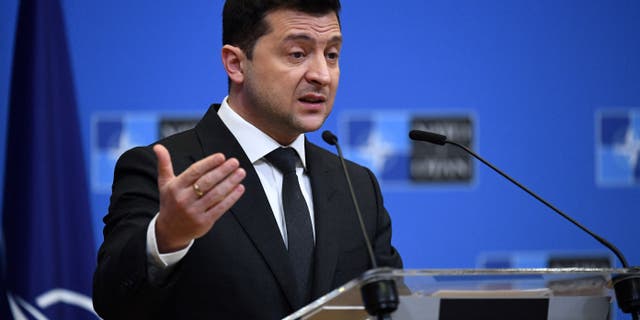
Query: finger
[(215, 212), (212, 178), (198, 169), (165, 168), (221, 190)]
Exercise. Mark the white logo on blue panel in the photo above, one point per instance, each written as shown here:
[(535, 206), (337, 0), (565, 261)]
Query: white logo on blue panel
[(618, 147), (113, 134), (379, 141)]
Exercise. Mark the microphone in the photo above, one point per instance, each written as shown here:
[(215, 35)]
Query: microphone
[(439, 139), (380, 297), (629, 301), (428, 137), (331, 139)]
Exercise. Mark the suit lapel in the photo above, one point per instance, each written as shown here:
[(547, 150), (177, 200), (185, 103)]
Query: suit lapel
[(322, 172), (252, 211)]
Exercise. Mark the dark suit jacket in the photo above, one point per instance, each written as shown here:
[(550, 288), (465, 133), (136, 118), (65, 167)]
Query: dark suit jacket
[(239, 269)]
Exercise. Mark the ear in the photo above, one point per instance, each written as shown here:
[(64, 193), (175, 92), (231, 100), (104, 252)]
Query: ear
[(233, 61)]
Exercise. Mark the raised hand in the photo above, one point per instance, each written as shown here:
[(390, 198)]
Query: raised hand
[(192, 202)]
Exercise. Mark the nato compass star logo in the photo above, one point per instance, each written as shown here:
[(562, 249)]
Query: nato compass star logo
[(115, 133), (618, 148), (379, 140), (20, 308), (112, 135)]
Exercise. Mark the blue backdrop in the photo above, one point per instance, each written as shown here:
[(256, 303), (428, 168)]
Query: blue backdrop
[(550, 85)]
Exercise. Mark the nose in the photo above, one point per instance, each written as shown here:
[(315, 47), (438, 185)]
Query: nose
[(319, 72)]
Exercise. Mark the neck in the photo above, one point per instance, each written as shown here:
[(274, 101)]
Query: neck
[(238, 107)]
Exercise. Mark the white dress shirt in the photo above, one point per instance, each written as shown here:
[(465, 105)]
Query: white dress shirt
[(255, 144)]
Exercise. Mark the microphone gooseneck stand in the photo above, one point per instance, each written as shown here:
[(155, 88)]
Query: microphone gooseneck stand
[(626, 286), (379, 296)]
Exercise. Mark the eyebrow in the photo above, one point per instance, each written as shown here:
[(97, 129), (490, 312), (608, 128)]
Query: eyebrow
[(306, 37)]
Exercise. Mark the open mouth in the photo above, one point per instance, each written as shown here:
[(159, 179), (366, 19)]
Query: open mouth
[(312, 98)]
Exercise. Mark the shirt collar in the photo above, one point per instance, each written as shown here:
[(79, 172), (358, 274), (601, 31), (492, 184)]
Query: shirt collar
[(255, 143)]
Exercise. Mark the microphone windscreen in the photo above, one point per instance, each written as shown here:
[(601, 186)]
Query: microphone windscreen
[(329, 137), (428, 137)]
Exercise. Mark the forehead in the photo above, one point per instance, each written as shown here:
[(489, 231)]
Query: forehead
[(285, 22)]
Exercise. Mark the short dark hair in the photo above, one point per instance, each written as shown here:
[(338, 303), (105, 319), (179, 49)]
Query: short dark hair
[(243, 20)]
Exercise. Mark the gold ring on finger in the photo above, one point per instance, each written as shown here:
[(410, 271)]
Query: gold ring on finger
[(197, 190)]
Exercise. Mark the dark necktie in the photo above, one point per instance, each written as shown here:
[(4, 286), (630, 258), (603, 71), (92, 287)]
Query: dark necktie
[(298, 221)]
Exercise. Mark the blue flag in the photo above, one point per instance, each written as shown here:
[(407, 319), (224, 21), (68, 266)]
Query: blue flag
[(49, 246)]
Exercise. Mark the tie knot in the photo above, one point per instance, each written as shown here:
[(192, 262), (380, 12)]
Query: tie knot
[(284, 159)]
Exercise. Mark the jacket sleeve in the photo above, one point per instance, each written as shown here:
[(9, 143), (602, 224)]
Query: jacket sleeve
[(121, 288)]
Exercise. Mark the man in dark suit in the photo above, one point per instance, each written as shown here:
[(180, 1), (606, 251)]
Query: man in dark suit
[(200, 224)]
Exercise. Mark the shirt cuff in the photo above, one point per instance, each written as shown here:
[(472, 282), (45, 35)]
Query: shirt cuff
[(164, 260)]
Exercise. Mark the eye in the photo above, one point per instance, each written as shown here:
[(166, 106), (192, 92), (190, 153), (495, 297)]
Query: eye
[(333, 56), (297, 55)]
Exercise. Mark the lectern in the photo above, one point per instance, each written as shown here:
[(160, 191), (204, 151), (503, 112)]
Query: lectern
[(496, 294)]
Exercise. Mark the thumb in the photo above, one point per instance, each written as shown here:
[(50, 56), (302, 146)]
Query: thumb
[(165, 168)]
